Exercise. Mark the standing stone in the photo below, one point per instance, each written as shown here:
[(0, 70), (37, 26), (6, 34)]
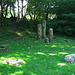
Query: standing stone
[(46, 40), (50, 34), (44, 29), (39, 31)]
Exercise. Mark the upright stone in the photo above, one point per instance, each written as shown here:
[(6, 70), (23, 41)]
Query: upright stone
[(39, 32), (44, 29), (50, 34), (46, 40)]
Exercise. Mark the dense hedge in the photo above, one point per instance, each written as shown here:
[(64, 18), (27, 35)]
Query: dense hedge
[(64, 24)]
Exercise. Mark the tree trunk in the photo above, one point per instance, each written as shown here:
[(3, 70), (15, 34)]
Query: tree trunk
[(10, 8), (50, 34), (18, 10), (47, 11), (6, 11), (1, 10), (22, 8), (34, 15), (39, 32), (46, 15), (13, 11)]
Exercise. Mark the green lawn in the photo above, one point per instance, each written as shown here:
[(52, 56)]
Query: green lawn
[(40, 58)]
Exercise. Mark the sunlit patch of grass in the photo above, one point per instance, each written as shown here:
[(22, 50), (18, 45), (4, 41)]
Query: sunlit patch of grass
[(53, 45), (61, 64), (19, 34), (52, 54), (41, 53), (18, 73), (63, 53), (73, 47)]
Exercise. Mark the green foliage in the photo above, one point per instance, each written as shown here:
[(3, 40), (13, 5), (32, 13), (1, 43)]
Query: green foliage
[(39, 10), (67, 24), (5, 22), (22, 24)]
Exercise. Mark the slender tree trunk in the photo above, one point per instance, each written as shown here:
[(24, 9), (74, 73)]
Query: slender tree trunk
[(1, 10), (6, 11), (22, 8), (18, 9), (13, 10), (10, 8), (47, 12), (47, 15), (34, 15), (30, 16)]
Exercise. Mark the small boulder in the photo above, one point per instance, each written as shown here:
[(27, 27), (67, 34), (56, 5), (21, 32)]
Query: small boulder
[(46, 40), (66, 40), (70, 58), (4, 48)]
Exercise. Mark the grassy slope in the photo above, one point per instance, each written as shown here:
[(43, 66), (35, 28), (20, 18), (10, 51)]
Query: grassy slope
[(39, 58)]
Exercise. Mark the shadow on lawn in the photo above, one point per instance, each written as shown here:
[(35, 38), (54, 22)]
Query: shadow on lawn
[(8, 69)]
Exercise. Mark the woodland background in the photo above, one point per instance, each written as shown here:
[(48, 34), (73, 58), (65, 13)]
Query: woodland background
[(26, 14)]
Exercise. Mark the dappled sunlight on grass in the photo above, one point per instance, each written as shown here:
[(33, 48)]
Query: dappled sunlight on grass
[(61, 46), (41, 53), (3, 58), (47, 46), (19, 34), (53, 45), (31, 73), (73, 46), (61, 64), (18, 73), (68, 45), (57, 53), (63, 53), (29, 32), (52, 54)]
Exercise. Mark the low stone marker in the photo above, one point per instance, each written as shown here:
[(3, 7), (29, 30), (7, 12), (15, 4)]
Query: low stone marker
[(46, 40), (70, 58), (66, 40), (4, 48), (10, 61), (50, 34)]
